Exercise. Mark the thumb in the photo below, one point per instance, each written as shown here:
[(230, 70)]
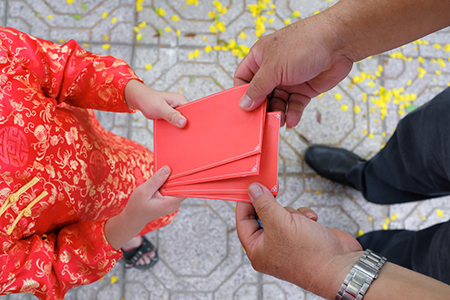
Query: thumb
[(172, 115), (152, 185), (261, 85), (269, 211)]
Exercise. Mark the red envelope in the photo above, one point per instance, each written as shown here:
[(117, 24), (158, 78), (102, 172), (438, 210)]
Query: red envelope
[(237, 198), (217, 132), (236, 188), (248, 166)]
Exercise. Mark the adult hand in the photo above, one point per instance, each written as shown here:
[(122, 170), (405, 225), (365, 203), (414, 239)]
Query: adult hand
[(292, 246), (155, 104), (291, 66)]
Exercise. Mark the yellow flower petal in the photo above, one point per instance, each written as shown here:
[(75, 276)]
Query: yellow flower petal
[(168, 29), (437, 46), (160, 11), (370, 136), (192, 2), (242, 35), (422, 72), (287, 21), (213, 29), (440, 213), (49, 17), (142, 24), (394, 217), (208, 49), (138, 37), (114, 279), (175, 18), (357, 109), (104, 15), (296, 14), (344, 107), (338, 96), (70, 2), (360, 233), (113, 20), (178, 32), (106, 46), (148, 67)]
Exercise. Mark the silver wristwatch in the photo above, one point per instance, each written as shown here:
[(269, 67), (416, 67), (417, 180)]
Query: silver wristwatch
[(358, 280)]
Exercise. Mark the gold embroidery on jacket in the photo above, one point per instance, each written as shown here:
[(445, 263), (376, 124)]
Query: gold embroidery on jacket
[(14, 197)]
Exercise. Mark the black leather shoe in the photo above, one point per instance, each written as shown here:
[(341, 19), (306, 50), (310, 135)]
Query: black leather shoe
[(331, 162)]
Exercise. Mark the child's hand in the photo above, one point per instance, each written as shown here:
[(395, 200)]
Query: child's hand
[(145, 204), (155, 104)]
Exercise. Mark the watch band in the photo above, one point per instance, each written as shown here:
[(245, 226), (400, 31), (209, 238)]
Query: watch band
[(358, 280)]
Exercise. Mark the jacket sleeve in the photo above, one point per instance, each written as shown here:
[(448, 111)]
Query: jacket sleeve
[(70, 74), (51, 265)]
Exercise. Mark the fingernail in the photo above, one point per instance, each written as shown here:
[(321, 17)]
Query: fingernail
[(310, 216), (255, 191), (165, 170), (245, 102), (181, 121)]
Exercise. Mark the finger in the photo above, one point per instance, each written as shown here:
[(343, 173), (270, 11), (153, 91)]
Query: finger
[(246, 224), (175, 99), (308, 212), (261, 85), (268, 209), (278, 102), (296, 106), (152, 185), (291, 210), (172, 115), (245, 70)]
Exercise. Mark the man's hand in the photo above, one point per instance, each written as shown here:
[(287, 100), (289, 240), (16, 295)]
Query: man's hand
[(292, 246), (291, 66), (155, 104)]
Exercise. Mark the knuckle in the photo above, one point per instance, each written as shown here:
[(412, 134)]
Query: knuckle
[(173, 116)]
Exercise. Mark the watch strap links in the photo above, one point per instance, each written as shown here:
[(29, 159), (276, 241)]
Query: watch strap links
[(358, 280)]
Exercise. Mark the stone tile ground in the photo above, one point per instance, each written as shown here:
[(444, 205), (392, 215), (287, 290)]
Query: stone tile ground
[(201, 257)]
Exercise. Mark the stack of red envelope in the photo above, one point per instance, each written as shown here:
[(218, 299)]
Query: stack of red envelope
[(222, 149)]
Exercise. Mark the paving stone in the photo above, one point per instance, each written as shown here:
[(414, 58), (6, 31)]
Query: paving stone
[(200, 254)]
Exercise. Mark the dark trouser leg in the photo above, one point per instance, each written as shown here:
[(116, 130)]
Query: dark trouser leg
[(425, 251), (415, 163)]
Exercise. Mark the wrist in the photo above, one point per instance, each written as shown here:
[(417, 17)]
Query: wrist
[(330, 278), (120, 229), (131, 93)]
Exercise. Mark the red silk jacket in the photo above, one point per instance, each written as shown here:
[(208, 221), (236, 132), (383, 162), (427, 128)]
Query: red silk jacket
[(61, 174)]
